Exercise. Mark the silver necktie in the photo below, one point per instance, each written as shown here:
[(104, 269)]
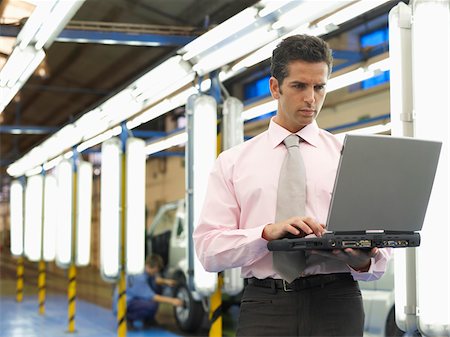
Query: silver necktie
[(291, 200)]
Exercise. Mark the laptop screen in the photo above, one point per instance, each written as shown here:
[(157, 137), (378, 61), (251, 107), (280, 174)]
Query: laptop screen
[(383, 183)]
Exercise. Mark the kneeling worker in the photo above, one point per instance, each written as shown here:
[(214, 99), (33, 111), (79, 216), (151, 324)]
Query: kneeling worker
[(144, 293)]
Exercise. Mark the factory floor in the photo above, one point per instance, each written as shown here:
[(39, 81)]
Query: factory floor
[(23, 320), (93, 315)]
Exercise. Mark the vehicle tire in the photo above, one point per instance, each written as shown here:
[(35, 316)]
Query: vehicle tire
[(392, 330), (190, 317)]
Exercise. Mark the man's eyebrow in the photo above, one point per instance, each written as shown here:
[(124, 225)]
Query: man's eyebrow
[(296, 82), (300, 82)]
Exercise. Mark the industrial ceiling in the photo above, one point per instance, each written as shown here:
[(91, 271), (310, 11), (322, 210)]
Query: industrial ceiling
[(75, 77)]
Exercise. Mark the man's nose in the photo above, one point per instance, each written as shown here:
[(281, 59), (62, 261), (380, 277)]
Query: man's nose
[(309, 95)]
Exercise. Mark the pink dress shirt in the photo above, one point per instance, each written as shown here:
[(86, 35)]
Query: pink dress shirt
[(241, 200)]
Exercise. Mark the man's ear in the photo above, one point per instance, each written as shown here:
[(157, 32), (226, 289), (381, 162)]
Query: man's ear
[(274, 88)]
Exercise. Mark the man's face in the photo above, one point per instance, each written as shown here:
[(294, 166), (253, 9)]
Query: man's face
[(301, 95), (151, 270)]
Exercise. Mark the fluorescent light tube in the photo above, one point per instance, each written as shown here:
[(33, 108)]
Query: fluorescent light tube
[(235, 49), (431, 85), (135, 205), (219, 33), (166, 143), (110, 205), (84, 213), (350, 12), (204, 138), (65, 218), (50, 217), (16, 218), (33, 217), (260, 110)]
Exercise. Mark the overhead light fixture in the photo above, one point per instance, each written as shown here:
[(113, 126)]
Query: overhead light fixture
[(110, 203), (304, 12), (235, 49), (135, 205), (358, 75), (99, 139), (270, 6), (20, 66), (432, 121), (163, 80), (221, 32), (369, 130), (84, 213), (64, 204), (161, 108), (17, 218), (40, 29), (349, 12), (260, 109), (46, 22), (50, 217), (177, 139), (401, 102), (202, 122), (33, 217)]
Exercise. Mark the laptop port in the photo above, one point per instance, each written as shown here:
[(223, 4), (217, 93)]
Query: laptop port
[(357, 243), (349, 243), (396, 243)]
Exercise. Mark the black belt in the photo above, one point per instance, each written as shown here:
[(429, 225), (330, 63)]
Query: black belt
[(299, 283)]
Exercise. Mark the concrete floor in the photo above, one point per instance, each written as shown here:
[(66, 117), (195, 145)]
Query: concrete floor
[(93, 316), (23, 320)]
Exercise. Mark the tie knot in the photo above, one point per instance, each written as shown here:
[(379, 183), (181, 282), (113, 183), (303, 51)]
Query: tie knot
[(292, 141)]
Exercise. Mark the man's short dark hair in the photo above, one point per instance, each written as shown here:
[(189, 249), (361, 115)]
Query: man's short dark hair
[(155, 260), (299, 48)]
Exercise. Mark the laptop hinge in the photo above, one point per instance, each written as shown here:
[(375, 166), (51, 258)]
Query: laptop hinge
[(349, 233)]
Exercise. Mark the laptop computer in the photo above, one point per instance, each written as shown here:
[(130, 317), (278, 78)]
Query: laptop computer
[(380, 195)]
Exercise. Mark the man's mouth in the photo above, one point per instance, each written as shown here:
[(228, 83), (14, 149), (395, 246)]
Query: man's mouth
[(309, 112)]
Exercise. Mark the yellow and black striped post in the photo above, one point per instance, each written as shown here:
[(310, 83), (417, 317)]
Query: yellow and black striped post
[(72, 288), (122, 307), (122, 302), (19, 284), (71, 297), (215, 309), (41, 286)]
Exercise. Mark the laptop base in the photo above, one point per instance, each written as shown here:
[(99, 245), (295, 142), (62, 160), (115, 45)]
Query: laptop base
[(336, 241)]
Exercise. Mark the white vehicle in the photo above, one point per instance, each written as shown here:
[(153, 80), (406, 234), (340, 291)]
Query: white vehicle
[(167, 236)]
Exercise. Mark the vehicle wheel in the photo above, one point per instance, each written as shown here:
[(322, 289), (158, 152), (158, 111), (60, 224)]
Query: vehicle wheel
[(392, 330), (190, 317)]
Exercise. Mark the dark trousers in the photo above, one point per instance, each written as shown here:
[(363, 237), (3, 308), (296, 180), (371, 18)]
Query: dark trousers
[(141, 310), (332, 309)]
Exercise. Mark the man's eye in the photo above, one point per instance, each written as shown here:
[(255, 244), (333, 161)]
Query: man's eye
[(320, 87)]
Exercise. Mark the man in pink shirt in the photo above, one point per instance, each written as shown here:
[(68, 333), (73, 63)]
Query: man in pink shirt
[(238, 217)]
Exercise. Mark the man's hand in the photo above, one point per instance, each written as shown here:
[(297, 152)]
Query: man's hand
[(166, 282), (170, 282), (358, 259), (298, 225), (176, 302)]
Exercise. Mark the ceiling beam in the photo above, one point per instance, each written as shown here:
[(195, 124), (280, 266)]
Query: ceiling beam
[(27, 129), (129, 35)]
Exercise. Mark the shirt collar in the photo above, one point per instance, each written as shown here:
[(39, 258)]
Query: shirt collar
[(277, 133)]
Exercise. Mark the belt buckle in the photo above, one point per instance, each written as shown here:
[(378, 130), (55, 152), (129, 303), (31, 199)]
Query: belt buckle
[(286, 287)]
